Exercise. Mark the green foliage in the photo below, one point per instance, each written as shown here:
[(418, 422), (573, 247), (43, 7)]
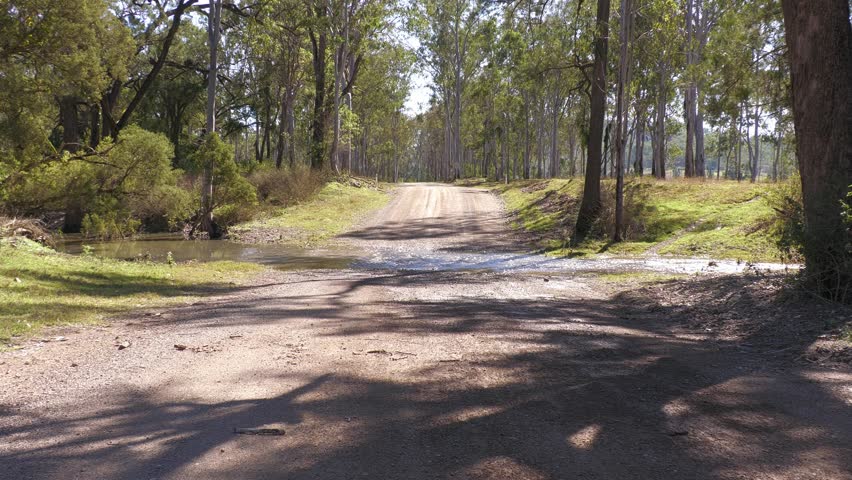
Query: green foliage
[(108, 225), (115, 190), (234, 198), (679, 217), (59, 289), (789, 222), (52, 49)]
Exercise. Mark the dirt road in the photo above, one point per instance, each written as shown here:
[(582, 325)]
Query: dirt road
[(378, 374)]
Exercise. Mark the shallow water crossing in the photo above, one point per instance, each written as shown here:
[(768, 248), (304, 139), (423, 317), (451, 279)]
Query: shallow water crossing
[(288, 257)]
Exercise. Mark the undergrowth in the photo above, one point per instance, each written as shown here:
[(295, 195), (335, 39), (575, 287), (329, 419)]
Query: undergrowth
[(718, 219)]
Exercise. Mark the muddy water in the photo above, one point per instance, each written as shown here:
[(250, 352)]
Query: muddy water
[(158, 248), (286, 257), (522, 262)]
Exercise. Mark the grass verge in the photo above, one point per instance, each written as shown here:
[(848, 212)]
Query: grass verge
[(40, 287), (717, 219), (332, 211)]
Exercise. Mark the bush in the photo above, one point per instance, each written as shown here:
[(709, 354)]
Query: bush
[(109, 225), (112, 190), (789, 222), (284, 187), (234, 198)]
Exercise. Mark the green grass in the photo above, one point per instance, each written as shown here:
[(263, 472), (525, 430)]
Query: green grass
[(719, 219), (638, 278), (40, 287), (334, 210)]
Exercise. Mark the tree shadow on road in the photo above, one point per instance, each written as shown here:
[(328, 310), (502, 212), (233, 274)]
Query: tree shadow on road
[(555, 389)]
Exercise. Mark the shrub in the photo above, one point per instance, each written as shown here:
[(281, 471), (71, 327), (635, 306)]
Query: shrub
[(109, 225), (117, 187), (234, 198), (789, 223), (284, 187)]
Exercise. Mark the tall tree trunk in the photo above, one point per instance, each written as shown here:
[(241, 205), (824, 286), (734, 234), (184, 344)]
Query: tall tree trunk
[(527, 140), (689, 94), (621, 112), (335, 139), (214, 16), (739, 144), (591, 202), (777, 149), (572, 153), (755, 165), (282, 132), (540, 139), (660, 125), (319, 44), (639, 163), (700, 164), (819, 39), (555, 162)]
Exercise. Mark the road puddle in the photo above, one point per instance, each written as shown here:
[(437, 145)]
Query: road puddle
[(523, 262), (159, 248)]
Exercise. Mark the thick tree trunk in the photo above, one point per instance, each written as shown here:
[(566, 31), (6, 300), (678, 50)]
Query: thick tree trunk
[(69, 118), (591, 202), (108, 108), (819, 40)]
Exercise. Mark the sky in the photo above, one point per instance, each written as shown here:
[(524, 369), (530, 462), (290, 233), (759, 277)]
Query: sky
[(418, 96), (420, 87)]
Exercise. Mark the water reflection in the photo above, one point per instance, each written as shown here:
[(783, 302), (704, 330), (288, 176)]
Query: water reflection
[(157, 248), (288, 257)]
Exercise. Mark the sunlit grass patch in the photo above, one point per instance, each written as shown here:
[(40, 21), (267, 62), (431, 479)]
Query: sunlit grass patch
[(39, 287), (719, 219), (332, 211)]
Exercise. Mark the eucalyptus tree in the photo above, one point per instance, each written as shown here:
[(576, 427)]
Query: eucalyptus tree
[(819, 42), (447, 31), (176, 97), (154, 26), (621, 112), (591, 201), (379, 133)]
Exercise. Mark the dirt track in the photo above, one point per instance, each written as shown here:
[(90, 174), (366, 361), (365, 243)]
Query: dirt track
[(418, 375)]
